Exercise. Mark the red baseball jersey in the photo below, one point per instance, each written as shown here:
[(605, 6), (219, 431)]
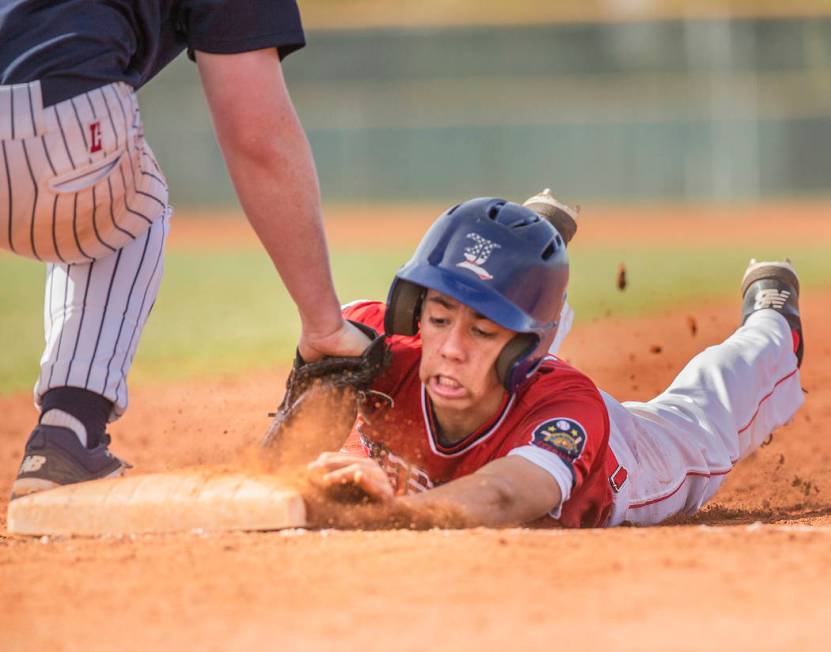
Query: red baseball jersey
[(557, 420)]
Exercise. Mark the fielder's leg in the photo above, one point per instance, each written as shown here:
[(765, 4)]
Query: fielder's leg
[(678, 448), (94, 316), (82, 193)]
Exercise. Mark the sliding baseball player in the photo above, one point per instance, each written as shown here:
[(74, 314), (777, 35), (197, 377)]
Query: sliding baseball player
[(474, 416)]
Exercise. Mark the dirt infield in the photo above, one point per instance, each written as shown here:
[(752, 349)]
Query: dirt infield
[(752, 570)]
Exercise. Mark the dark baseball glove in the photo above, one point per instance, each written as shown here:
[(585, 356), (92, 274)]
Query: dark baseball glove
[(321, 402)]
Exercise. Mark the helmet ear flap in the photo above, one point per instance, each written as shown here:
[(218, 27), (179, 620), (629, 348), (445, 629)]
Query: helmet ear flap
[(403, 308), (512, 364)]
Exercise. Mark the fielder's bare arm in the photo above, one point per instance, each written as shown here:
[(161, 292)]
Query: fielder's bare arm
[(474, 416), (270, 163)]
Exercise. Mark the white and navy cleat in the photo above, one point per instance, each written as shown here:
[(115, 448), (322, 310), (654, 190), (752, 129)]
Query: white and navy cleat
[(54, 456), (774, 285)]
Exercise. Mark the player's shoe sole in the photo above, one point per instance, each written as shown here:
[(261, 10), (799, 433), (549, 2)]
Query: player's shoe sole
[(774, 285), (54, 456), (564, 218)]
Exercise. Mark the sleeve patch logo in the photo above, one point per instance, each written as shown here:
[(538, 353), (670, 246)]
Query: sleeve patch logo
[(562, 436)]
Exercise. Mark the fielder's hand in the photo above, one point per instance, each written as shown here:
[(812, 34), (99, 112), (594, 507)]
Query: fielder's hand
[(348, 340), (335, 470)]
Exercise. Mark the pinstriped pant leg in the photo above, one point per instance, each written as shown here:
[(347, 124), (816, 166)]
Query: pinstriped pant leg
[(94, 314), (81, 191), (77, 179)]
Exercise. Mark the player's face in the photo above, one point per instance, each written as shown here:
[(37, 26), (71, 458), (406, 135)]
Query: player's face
[(459, 351)]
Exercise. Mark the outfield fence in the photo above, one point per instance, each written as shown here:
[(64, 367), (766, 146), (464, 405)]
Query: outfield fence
[(676, 110)]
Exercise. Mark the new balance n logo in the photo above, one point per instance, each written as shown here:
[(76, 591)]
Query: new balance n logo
[(32, 463), (771, 298)]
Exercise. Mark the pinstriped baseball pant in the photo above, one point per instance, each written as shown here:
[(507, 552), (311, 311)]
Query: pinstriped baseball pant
[(80, 190)]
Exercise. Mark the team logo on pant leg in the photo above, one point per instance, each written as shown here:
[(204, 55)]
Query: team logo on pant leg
[(95, 139), (618, 478), (565, 437)]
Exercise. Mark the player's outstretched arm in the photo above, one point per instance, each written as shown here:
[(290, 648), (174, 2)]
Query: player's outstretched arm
[(508, 491), (270, 163)]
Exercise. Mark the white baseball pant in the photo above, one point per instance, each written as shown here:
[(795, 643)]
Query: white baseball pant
[(81, 191), (563, 328), (676, 450)]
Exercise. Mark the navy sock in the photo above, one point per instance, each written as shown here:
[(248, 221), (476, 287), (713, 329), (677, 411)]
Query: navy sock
[(91, 409)]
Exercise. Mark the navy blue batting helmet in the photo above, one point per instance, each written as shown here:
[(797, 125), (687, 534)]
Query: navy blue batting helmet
[(500, 259)]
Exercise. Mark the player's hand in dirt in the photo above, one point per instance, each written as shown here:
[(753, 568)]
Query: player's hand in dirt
[(335, 470), (347, 340)]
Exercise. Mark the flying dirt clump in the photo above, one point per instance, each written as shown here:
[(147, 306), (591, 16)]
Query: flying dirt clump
[(692, 325), (621, 277), (805, 486)]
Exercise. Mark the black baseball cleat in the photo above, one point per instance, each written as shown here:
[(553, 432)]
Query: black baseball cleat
[(55, 456), (774, 285)]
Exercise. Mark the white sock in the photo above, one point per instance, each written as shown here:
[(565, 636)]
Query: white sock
[(55, 417)]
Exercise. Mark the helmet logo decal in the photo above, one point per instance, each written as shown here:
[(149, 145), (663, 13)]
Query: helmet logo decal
[(477, 255)]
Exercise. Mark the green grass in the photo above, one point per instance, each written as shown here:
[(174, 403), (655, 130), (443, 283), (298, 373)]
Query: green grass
[(216, 313), (659, 279), (226, 313)]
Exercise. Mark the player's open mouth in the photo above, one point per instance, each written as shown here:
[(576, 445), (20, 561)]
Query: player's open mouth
[(446, 387)]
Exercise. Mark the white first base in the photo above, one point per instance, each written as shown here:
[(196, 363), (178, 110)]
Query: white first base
[(160, 502)]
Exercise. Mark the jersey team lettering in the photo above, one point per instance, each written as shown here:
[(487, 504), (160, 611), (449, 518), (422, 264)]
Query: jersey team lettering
[(565, 437)]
